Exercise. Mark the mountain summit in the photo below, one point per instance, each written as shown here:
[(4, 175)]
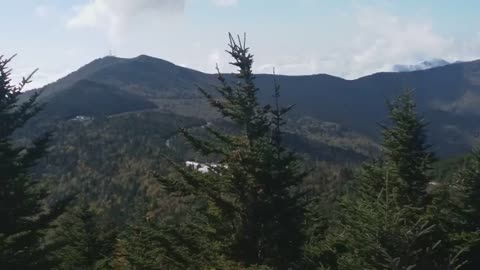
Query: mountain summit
[(421, 66), (449, 95)]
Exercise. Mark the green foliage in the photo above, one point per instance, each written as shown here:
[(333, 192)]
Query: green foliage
[(390, 222), (406, 151), (87, 240), (461, 211), (252, 197), (320, 97), (250, 208), (24, 217), (469, 190), (109, 160), (182, 244)]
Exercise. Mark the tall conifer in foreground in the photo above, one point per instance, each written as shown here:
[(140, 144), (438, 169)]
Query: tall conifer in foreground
[(389, 222), (406, 151), (250, 199), (24, 218)]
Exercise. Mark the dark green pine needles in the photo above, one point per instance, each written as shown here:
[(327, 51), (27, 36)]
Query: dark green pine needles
[(391, 220), (251, 202), (24, 217)]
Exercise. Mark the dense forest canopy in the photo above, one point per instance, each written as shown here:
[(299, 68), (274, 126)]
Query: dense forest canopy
[(128, 177)]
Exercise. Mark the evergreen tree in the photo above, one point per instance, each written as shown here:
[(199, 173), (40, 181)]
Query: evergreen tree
[(179, 245), (406, 151), (461, 211), (251, 197), (469, 184), (23, 214), (88, 241), (390, 222)]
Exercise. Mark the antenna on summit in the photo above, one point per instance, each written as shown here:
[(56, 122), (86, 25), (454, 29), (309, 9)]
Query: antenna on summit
[(110, 52)]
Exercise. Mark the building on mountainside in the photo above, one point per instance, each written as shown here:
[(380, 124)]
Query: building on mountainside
[(81, 118), (203, 168)]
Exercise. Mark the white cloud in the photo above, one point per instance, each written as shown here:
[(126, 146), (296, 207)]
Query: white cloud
[(215, 59), (225, 3), (40, 78), (116, 15), (292, 66), (371, 40), (381, 40), (368, 40), (354, 42)]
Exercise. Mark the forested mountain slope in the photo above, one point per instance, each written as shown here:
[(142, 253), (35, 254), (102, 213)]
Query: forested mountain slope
[(448, 96)]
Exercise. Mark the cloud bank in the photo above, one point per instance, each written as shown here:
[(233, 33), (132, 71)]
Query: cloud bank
[(117, 15), (373, 40), (354, 42)]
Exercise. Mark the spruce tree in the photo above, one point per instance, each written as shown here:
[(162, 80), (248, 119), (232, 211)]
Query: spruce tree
[(469, 184), (180, 245), (389, 222), (251, 196), (87, 240), (23, 213), (406, 151), (462, 211)]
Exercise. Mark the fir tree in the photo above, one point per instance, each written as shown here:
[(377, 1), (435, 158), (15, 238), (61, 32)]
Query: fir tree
[(461, 211), (390, 222), (23, 213), (179, 245), (251, 196), (88, 241), (406, 151), (469, 184)]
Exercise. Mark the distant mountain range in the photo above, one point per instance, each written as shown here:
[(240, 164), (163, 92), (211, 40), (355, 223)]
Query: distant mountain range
[(448, 96), (421, 66)]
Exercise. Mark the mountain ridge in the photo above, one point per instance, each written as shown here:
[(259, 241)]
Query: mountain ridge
[(452, 90), (427, 64), (104, 62)]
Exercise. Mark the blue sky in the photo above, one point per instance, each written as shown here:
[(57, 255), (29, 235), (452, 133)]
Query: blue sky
[(346, 38)]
